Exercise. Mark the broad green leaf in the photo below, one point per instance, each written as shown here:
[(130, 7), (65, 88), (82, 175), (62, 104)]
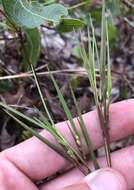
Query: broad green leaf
[(32, 48), (70, 24), (96, 15), (112, 33), (33, 14), (114, 7), (47, 2), (77, 51)]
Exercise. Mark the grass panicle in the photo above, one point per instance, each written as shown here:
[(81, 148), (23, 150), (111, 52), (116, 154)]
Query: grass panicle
[(102, 95)]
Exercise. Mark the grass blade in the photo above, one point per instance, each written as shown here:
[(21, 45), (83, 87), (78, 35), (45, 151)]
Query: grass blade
[(61, 140), (9, 108), (40, 137), (73, 128), (85, 133), (103, 55), (89, 68), (41, 95)]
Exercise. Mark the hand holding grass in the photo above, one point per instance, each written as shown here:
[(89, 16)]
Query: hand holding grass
[(32, 160)]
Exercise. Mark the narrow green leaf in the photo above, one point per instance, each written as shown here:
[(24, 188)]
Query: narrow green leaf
[(64, 104), (103, 54), (9, 108), (41, 96), (85, 133), (89, 68), (70, 24), (73, 128), (40, 137), (109, 77), (60, 137)]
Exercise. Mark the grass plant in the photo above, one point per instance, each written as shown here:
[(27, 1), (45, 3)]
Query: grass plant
[(102, 100)]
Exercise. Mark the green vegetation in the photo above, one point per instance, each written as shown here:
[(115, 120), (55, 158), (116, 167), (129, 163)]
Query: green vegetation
[(24, 19)]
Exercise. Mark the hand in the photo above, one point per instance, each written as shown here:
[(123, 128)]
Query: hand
[(22, 165)]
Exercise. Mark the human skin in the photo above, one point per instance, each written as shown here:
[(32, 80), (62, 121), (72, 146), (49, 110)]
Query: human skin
[(32, 160)]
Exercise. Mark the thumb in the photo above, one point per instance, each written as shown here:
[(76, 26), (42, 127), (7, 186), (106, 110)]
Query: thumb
[(103, 179)]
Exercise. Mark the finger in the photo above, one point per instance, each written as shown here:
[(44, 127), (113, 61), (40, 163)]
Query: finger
[(13, 179), (38, 161), (122, 161), (104, 179)]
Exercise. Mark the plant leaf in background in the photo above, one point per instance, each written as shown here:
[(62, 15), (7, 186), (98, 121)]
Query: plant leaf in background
[(70, 24), (47, 2), (32, 48), (33, 14), (114, 7)]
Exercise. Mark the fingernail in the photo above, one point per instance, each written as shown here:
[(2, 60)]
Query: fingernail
[(106, 179), (79, 186)]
